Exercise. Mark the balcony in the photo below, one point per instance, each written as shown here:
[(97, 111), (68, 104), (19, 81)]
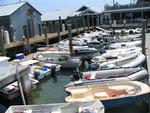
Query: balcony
[(128, 6)]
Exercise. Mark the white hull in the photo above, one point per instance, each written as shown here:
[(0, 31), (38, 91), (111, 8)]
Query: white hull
[(112, 75), (130, 61)]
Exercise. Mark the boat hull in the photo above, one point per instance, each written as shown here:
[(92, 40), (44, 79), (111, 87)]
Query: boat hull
[(123, 101)]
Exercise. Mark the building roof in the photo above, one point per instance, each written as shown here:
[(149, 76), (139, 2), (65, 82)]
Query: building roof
[(94, 9), (8, 9), (54, 15)]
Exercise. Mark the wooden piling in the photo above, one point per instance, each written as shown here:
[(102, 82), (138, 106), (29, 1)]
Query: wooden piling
[(143, 36), (58, 31), (97, 18), (88, 22), (76, 24), (2, 47), (92, 21), (83, 22), (70, 39), (60, 23), (45, 33)]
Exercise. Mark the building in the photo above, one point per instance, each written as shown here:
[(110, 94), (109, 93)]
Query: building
[(129, 15), (84, 16), (20, 19)]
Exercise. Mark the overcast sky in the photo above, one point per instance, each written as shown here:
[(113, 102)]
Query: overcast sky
[(50, 5)]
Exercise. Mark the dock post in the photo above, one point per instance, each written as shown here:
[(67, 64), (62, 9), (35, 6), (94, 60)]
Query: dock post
[(76, 24), (143, 36), (45, 33), (88, 22), (83, 22), (70, 39), (58, 31), (92, 21), (60, 23), (2, 47), (26, 85)]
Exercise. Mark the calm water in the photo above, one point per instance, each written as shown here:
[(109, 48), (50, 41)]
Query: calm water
[(52, 91)]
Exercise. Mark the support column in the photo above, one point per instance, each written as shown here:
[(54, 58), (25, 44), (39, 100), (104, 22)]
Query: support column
[(60, 23), (83, 21), (26, 84), (2, 47), (97, 18), (76, 24), (88, 22), (143, 36), (92, 21), (45, 33), (70, 39), (58, 31), (120, 16)]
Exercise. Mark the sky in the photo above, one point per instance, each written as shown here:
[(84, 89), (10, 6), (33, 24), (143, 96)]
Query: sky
[(51, 5)]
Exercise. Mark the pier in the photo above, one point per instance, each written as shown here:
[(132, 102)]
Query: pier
[(50, 36)]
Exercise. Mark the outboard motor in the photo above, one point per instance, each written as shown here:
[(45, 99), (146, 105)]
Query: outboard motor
[(77, 75)]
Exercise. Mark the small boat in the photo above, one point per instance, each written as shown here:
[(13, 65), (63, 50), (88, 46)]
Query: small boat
[(116, 54), (134, 60), (110, 94), (62, 58), (78, 49), (76, 107), (120, 74), (126, 44), (11, 91), (83, 49), (40, 70)]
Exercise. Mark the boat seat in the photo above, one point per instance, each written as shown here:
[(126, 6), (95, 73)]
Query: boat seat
[(131, 91), (100, 95), (81, 93)]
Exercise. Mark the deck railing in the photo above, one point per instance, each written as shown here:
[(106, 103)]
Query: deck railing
[(128, 6)]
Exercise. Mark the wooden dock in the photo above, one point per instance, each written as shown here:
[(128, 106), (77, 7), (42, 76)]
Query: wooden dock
[(41, 38)]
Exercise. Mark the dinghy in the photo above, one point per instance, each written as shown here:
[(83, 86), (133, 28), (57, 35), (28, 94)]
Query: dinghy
[(75, 107), (116, 54), (62, 58), (134, 60), (40, 70), (110, 94), (120, 74), (126, 44)]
